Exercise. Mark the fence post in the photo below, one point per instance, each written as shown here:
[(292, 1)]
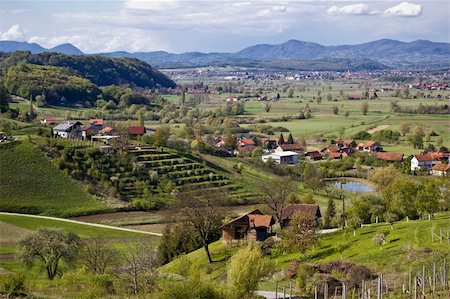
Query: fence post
[(434, 277), (445, 275), (423, 281), (325, 291), (344, 291), (415, 287)]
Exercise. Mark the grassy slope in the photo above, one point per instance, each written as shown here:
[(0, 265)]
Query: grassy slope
[(29, 182), (13, 228), (401, 252)]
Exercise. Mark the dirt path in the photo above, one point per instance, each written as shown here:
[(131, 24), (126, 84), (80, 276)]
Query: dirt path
[(85, 223), (378, 128)]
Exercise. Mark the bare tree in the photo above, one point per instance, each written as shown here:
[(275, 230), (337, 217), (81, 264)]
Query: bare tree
[(276, 193), (98, 256), (201, 209), (50, 247), (139, 262)]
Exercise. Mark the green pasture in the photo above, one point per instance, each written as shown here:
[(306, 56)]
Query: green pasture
[(31, 183)]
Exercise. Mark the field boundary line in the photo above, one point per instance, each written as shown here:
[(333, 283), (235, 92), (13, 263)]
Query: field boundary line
[(84, 223)]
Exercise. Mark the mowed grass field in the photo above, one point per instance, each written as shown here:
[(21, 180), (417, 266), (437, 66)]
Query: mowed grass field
[(30, 183), (13, 228)]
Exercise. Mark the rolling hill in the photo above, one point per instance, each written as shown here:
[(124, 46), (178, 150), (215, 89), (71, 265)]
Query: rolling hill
[(372, 55)]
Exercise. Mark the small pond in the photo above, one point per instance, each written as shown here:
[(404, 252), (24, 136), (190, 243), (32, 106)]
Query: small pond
[(351, 186)]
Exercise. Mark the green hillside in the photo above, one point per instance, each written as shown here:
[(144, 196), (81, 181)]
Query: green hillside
[(408, 247), (30, 183)]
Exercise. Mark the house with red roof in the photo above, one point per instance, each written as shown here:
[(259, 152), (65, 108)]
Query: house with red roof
[(390, 157), (314, 155), (441, 169), (426, 161), (288, 147), (96, 123), (369, 146), (251, 226), (336, 156)]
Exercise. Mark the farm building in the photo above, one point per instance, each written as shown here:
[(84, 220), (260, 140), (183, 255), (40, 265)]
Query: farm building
[(282, 158), (369, 146), (48, 120), (314, 155), (426, 161), (294, 147), (441, 170), (311, 210), (390, 157), (96, 123), (69, 129), (251, 226)]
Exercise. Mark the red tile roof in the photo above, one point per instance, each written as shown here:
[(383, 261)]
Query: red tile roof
[(441, 167), (260, 220), (97, 121), (247, 141), (331, 149), (390, 156), (335, 156), (140, 130), (428, 157), (368, 143)]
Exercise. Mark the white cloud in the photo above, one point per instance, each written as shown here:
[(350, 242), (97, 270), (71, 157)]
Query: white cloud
[(152, 4), (404, 9), (15, 32), (353, 9)]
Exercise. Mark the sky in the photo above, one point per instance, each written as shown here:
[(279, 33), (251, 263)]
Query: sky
[(218, 26)]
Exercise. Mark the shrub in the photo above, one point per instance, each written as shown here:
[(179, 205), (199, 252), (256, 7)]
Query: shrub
[(13, 285)]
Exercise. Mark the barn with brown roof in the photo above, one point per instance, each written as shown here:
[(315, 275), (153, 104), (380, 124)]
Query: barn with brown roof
[(390, 157), (251, 226)]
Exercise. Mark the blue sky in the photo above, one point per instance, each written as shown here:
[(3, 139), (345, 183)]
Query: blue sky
[(218, 26)]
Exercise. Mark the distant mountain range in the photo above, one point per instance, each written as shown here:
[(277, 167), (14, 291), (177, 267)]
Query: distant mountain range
[(375, 55)]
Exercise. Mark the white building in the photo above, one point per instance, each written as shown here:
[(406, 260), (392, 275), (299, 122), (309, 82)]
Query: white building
[(69, 129), (426, 161), (283, 158)]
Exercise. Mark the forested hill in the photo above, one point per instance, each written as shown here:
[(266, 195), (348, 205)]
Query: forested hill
[(101, 71)]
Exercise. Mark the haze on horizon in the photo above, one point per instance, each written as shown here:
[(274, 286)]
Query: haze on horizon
[(218, 26)]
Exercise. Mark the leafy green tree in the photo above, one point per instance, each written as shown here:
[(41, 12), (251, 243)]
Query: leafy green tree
[(379, 239), (49, 247), (162, 135), (4, 98), (329, 214), (390, 218), (439, 141), (312, 177), (281, 139), (427, 200), (399, 196), (354, 222), (245, 269), (404, 128)]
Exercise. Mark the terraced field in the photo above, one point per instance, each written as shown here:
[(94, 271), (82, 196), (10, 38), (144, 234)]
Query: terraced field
[(182, 170)]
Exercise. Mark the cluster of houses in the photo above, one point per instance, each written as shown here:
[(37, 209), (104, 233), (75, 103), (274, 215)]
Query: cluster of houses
[(94, 130), (257, 226), (286, 153)]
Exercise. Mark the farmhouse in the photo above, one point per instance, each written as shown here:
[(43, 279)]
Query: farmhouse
[(426, 161), (282, 158), (344, 143), (369, 146), (251, 226), (294, 147), (441, 170), (96, 123), (311, 210), (314, 155), (70, 129), (336, 155), (139, 131), (390, 157)]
